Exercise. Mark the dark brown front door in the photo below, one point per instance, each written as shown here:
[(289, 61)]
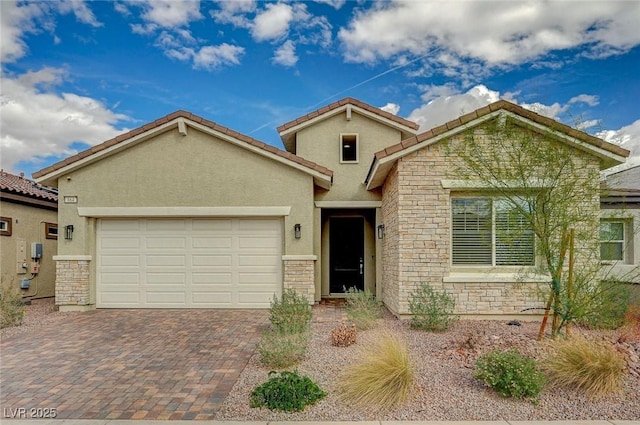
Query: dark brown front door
[(346, 252)]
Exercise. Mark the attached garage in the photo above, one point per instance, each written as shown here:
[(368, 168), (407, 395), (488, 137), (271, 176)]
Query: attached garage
[(188, 262)]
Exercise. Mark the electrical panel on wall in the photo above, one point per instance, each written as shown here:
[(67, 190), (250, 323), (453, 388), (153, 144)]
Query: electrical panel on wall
[(21, 256)]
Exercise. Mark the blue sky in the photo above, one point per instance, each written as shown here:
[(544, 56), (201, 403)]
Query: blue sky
[(75, 73)]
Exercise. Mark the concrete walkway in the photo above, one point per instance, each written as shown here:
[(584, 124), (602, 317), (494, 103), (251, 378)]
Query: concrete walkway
[(147, 422)]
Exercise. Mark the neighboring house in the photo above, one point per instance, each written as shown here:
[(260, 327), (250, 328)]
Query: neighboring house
[(28, 216), (183, 212), (620, 224)]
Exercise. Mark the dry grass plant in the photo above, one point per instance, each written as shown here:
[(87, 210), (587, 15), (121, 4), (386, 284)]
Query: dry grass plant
[(383, 377), (595, 367)]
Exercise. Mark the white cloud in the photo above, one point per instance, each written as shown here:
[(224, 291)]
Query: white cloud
[(212, 57), (169, 13), (80, 10), (490, 33), (62, 119), (391, 108), (286, 54), (336, 4), (442, 109), (233, 12), (273, 22), (34, 17), (627, 137)]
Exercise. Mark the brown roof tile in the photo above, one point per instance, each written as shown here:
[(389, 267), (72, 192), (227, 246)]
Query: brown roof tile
[(23, 186), (342, 102), (516, 109), (195, 118)]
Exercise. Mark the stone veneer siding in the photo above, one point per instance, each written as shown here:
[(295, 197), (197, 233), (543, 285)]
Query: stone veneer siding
[(417, 213), (300, 276), (72, 282)]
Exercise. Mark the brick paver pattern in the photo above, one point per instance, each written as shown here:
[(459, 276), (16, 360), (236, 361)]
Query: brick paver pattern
[(130, 364)]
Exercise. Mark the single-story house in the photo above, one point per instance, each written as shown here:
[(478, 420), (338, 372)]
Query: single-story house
[(620, 224), (183, 212), (28, 220)]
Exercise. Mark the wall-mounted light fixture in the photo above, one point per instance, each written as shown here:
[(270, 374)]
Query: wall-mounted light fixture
[(381, 231), (68, 231), (297, 230)]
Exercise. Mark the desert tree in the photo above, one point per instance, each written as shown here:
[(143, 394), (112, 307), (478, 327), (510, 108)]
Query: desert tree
[(549, 189)]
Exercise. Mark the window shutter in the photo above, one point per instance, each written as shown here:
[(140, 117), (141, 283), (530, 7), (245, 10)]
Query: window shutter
[(471, 231)]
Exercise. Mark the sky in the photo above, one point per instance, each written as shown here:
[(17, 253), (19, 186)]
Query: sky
[(76, 73)]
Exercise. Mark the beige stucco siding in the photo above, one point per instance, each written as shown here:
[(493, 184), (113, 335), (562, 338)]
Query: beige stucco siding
[(28, 225), (196, 170), (320, 143)]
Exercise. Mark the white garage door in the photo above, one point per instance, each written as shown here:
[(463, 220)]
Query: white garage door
[(188, 263)]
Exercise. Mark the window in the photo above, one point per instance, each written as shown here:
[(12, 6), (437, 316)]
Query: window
[(612, 240), (490, 232), (348, 148), (5, 226), (51, 230)]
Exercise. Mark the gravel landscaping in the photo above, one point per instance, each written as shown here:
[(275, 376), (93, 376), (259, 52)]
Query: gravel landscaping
[(444, 388)]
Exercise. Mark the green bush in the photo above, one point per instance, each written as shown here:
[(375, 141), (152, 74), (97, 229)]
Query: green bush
[(362, 308), (287, 391), (12, 309), (609, 309), (510, 374), (382, 378), (280, 350), (431, 310), (595, 367), (291, 314)]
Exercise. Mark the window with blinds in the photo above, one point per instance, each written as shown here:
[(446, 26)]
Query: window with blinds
[(490, 232), (612, 240)]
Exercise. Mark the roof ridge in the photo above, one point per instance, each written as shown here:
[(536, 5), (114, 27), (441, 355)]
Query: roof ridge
[(339, 103), (192, 117), (501, 104)]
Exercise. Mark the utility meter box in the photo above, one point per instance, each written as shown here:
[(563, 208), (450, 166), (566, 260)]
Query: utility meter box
[(36, 250), (25, 283)]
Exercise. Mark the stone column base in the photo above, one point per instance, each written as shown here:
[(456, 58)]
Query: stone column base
[(72, 283), (299, 274)]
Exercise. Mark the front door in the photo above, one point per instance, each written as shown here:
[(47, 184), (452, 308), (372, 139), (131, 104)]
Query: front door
[(346, 253)]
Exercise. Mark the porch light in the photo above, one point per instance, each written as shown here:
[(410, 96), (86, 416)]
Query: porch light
[(68, 231), (381, 231), (297, 230)]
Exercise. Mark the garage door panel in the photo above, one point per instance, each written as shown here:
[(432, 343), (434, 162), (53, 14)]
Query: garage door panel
[(120, 278), (166, 278), (212, 242), (119, 242), (121, 299), (120, 260), (121, 225), (167, 243), (166, 225), (166, 299), (212, 225), (211, 260), (182, 263), (166, 260)]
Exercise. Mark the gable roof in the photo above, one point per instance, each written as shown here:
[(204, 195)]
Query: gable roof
[(628, 178), (181, 119), (288, 130), (19, 189), (384, 160)]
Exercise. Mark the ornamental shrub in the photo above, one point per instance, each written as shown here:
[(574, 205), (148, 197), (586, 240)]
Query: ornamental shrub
[(291, 314), (286, 391), (510, 374), (12, 309), (362, 308), (431, 310), (280, 350), (382, 378), (595, 367)]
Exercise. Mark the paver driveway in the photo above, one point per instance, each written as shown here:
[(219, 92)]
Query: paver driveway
[(121, 364)]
